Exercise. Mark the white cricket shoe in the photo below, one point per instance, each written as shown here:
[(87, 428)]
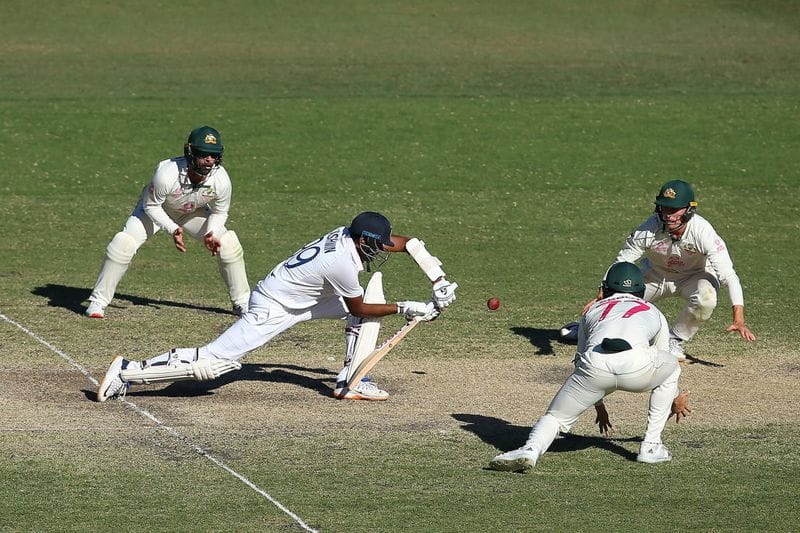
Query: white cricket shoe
[(519, 460), (653, 452), (676, 348), (112, 384), (569, 332), (365, 390), (95, 310)]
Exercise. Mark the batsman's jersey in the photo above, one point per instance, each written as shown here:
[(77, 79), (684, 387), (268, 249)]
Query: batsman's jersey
[(324, 268), (170, 196), (622, 316), (698, 250)]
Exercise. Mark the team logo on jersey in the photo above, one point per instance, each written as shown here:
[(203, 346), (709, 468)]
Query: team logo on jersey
[(669, 193), (211, 139)]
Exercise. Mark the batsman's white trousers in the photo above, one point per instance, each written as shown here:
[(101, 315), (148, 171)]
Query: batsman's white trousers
[(699, 291), (265, 319), (597, 375)]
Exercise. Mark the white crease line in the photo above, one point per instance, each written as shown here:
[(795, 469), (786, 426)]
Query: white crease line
[(184, 439)]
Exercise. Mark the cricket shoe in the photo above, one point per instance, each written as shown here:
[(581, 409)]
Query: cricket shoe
[(519, 460), (112, 384), (676, 348), (365, 390), (95, 310), (569, 332), (653, 452)]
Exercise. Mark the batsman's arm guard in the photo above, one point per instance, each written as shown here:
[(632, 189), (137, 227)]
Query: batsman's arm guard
[(201, 370), (429, 264), (370, 327)]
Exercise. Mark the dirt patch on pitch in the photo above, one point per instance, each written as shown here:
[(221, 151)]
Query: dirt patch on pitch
[(294, 398)]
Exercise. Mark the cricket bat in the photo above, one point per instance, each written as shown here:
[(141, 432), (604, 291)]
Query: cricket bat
[(372, 359)]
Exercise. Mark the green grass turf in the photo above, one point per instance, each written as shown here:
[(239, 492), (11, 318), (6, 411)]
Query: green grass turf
[(521, 140)]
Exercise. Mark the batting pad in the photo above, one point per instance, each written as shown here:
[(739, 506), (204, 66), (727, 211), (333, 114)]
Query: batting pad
[(202, 370), (370, 327)]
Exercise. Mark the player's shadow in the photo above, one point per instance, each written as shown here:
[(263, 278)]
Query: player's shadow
[(266, 372), (72, 298), (506, 437), (692, 360), (542, 339)]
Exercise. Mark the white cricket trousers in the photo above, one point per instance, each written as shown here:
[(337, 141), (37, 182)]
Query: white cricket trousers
[(596, 376), (264, 320), (138, 229), (699, 292)]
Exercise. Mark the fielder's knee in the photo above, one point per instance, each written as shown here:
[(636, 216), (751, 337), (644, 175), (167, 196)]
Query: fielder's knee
[(703, 303), (122, 248), (230, 250)]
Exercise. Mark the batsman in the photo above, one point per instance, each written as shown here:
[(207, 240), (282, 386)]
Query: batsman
[(318, 281), (187, 195)]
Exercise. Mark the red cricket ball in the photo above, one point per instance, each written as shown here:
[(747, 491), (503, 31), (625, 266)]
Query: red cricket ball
[(492, 303)]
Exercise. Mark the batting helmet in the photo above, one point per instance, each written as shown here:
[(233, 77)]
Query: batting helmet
[(676, 194), (202, 142), (624, 277), (372, 232)]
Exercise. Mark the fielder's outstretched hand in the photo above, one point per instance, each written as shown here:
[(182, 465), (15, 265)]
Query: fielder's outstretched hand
[(212, 243), (680, 406), (603, 421), (743, 330), (177, 238)]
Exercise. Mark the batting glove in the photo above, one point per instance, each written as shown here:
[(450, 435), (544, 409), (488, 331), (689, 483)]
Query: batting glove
[(444, 293), (416, 309)]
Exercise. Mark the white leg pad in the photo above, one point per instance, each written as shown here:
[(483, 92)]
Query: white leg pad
[(119, 253), (231, 267), (370, 327), (202, 370), (429, 264)]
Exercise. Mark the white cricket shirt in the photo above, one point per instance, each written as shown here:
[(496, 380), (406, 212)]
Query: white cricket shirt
[(171, 195), (700, 249), (326, 267)]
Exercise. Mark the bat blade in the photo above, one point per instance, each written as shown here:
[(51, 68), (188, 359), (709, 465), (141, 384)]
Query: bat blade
[(378, 353)]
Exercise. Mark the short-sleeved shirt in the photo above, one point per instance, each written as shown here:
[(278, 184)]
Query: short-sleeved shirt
[(326, 267), (171, 195)]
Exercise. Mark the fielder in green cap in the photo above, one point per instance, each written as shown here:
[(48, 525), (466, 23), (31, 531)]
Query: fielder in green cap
[(683, 256), (187, 194)]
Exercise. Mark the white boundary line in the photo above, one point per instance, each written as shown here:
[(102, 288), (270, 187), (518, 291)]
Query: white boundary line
[(179, 436)]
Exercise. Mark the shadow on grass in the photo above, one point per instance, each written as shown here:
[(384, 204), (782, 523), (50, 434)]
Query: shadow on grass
[(692, 360), (506, 437), (541, 338), (268, 373), (72, 298)]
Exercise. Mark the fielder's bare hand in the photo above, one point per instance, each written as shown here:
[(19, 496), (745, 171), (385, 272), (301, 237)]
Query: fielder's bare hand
[(743, 330), (177, 238), (212, 243), (680, 406), (603, 421)]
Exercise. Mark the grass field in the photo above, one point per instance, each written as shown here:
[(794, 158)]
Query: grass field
[(521, 140)]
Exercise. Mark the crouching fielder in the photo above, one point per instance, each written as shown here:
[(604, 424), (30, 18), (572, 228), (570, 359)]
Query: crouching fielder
[(187, 195), (623, 344), (319, 281)]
